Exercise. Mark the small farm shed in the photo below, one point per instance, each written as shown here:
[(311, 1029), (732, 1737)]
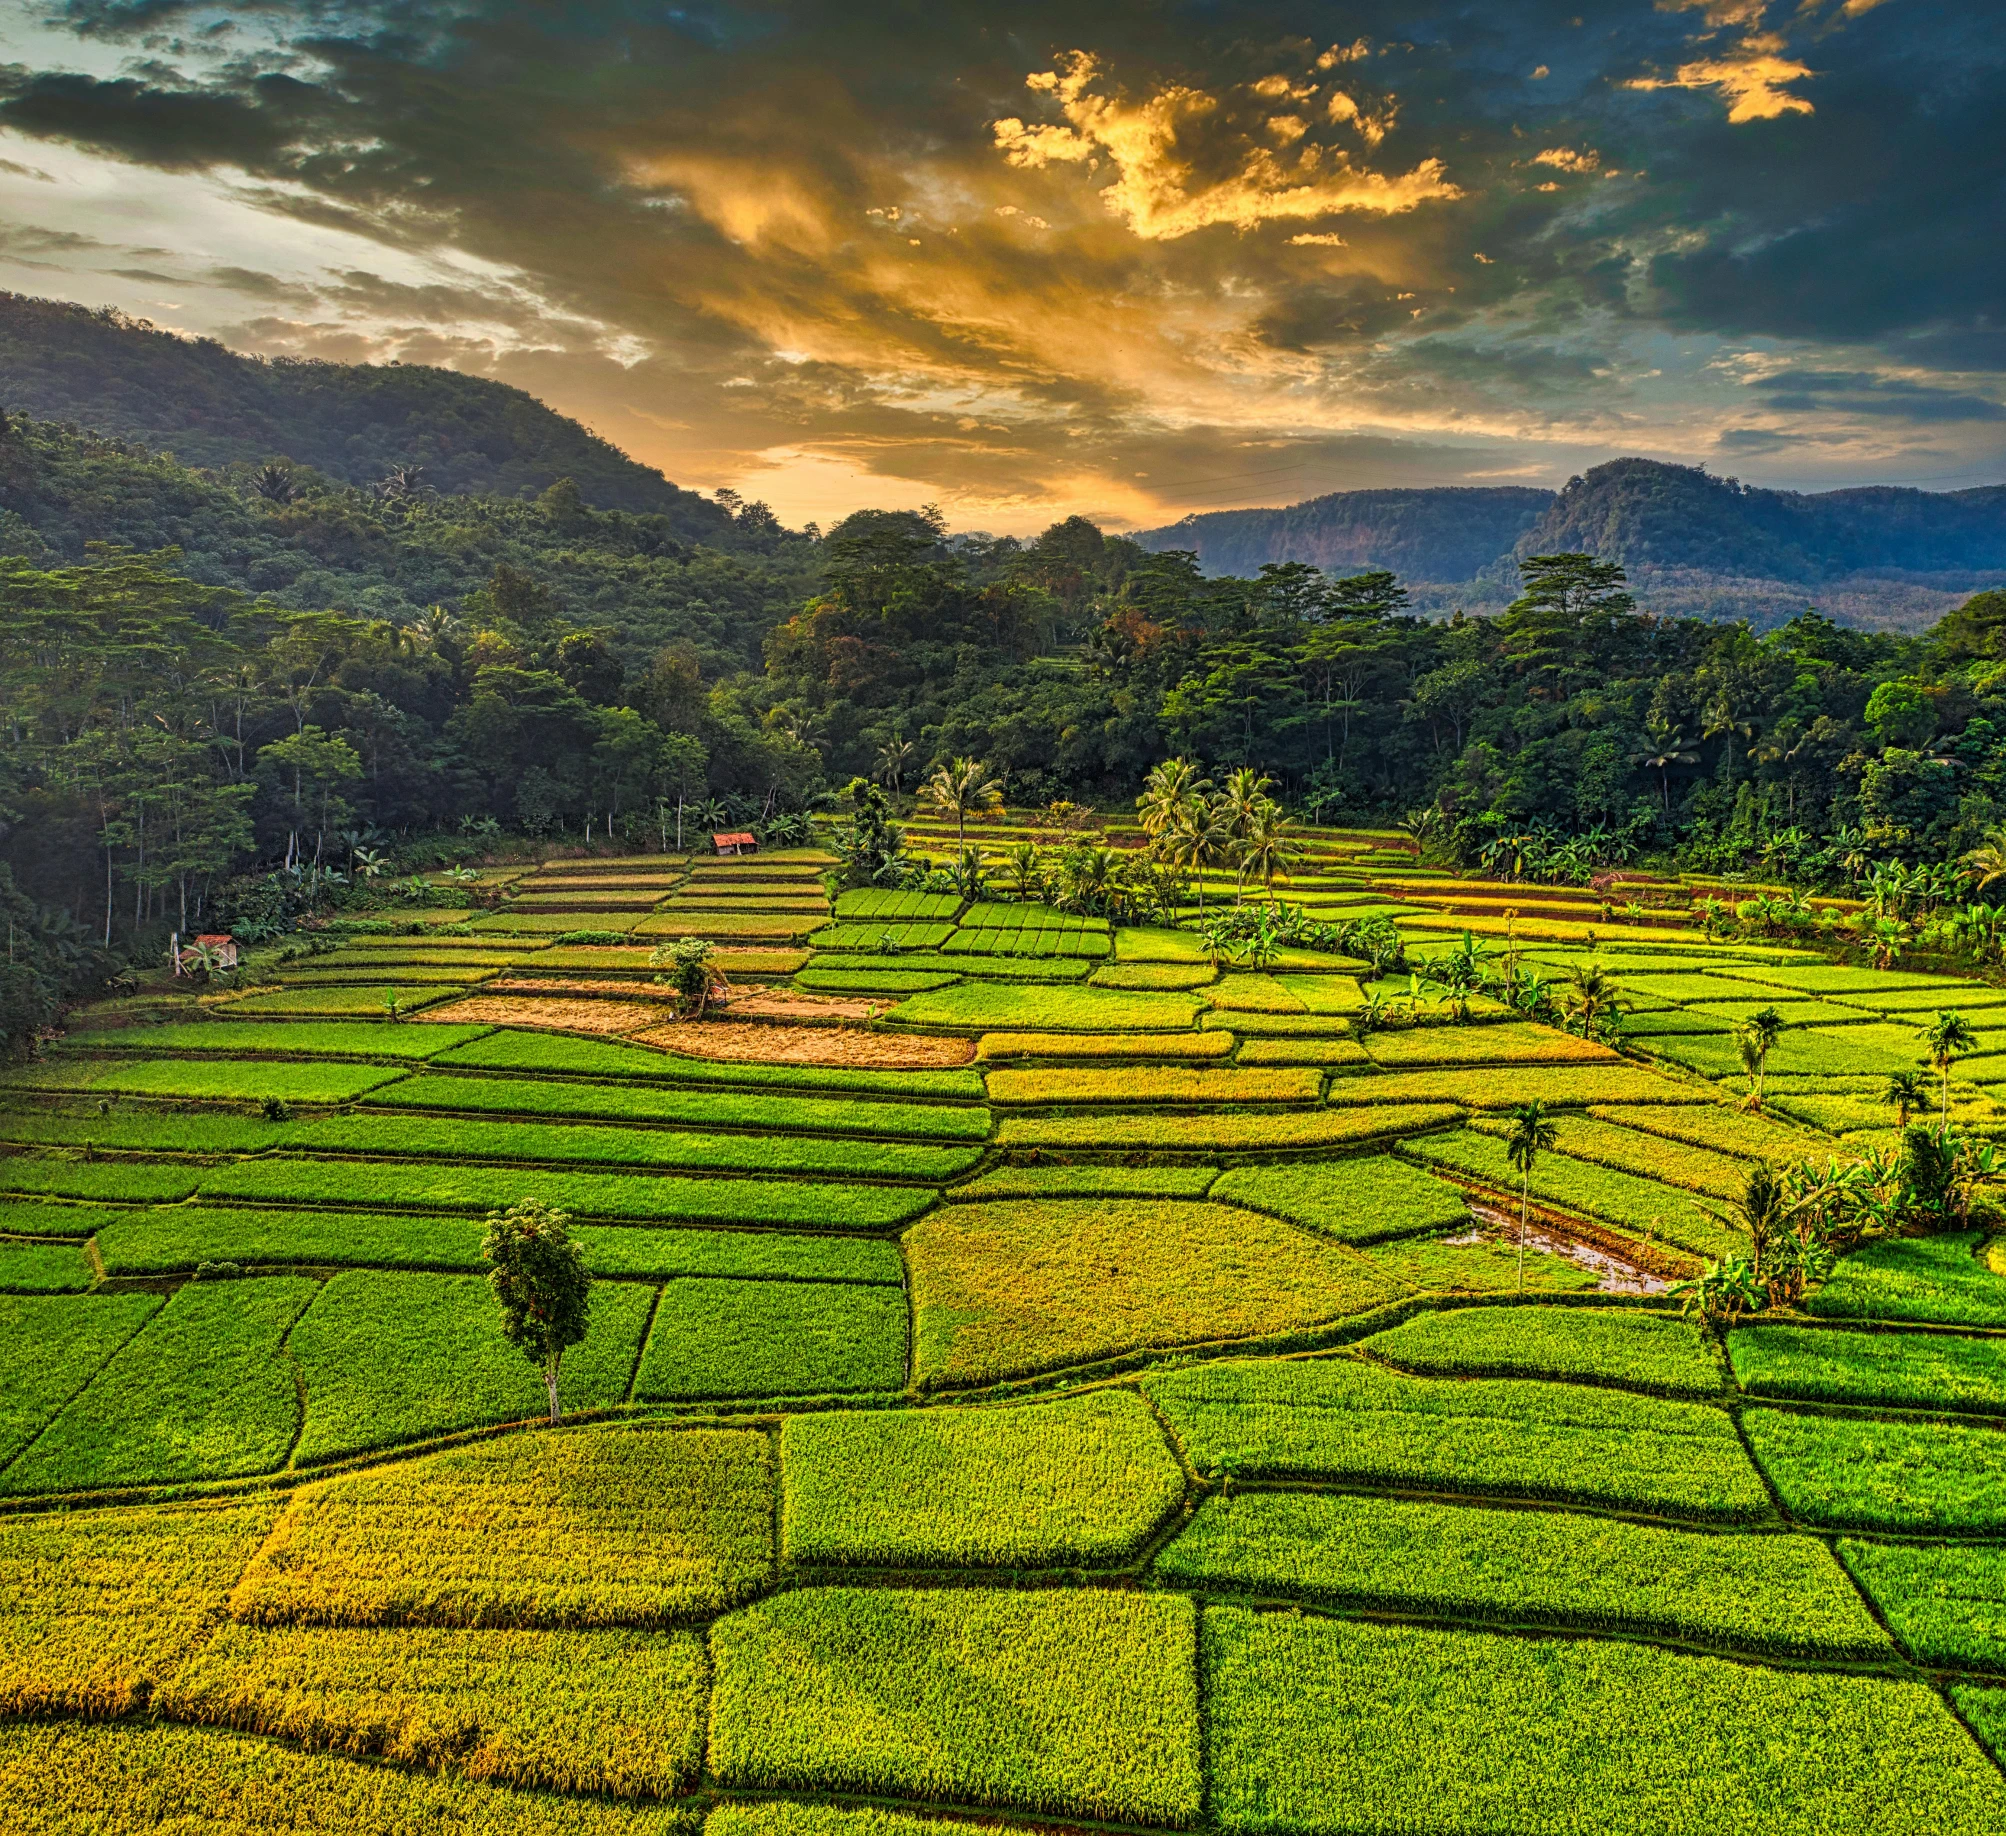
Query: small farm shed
[(744, 842)]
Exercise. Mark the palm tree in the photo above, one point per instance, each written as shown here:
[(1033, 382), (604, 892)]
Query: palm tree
[(1905, 1092), (1987, 861), (1532, 1133), (1764, 1209), (1270, 847), (1595, 999), (276, 482), (403, 482), (893, 758), (1023, 864), (1758, 1036), (959, 786), (1948, 1036), (1671, 749), (1200, 839), (1167, 792)]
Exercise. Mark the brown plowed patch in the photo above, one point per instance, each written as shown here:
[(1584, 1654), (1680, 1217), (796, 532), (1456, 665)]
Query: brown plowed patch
[(801, 1045), (533, 1011)]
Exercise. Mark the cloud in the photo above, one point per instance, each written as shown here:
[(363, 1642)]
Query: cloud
[(1751, 76), (1187, 159), (1567, 159)]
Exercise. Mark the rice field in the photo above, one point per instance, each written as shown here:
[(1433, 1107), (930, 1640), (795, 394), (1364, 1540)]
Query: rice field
[(1036, 1368)]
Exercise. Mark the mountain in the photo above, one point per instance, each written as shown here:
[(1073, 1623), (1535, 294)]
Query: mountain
[(211, 407), (1428, 537), (1693, 544)]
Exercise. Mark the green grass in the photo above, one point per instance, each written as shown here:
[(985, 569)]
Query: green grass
[(882, 940), (1781, 1595), (43, 1268), (1011, 1288), (458, 1138), (1505, 1042), (102, 1780), (551, 924), (1002, 1048), (1364, 1199), (1720, 1177), (231, 1081), (1844, 1051), (1044, 1485), (1140, 944), (1223, 1133), (618, 1712), (1560, 1086), (985, 1008), (98, 1607), (1663, 1213), (1895, 1370), (29, 1217), (1073, 1704), (388, 1357), (1153, 1084), (130, 1182), (1750, 1135), (630, 1196), (600, 1526), (1152, 975), (980, 968), (156, 1131), (877, 905), (1846, 1473), (709, 1108), (1471, 1264), (201, 1392), (1936, 1280), (875, 981), (50, 1347), (1947, 1605), (1328, 1728), (338, 999), (1626, 1347), (292, 1039), (1085, 1182), (1342, 1420), (772, 1338)]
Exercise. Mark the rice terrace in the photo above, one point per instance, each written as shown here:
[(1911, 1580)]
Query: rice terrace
[(1045, 1371)]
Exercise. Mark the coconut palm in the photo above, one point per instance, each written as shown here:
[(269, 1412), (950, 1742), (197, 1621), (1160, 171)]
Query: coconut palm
[(1201, 838), (893, 758), (1757, 1038), (1948, 1037), (276, 482), (1171, 787), (1905, 1092), (960, 787), (1594, 1001), (1269, 848), (1532, 1133), (1987, 861)]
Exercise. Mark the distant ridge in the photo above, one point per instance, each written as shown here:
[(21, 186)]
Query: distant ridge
[(1693, 543), (211, 407)]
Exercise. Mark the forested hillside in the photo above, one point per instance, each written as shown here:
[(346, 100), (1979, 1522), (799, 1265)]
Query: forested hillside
[(354, 422)]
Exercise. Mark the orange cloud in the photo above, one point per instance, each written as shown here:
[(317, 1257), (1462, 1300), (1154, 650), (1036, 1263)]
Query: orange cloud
[(1567, 159), (1751, 76), (1185, 159)]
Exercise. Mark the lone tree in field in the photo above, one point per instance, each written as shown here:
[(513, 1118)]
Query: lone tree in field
[(540, 1279), (1905, 1093), (1531, 1135), (962, 788), (1949, 1036), (1755, 1041)]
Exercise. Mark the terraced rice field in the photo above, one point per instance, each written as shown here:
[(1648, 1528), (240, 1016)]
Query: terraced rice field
[(1035, 1372)]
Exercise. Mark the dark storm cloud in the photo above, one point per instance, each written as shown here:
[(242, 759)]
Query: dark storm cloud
[(1032, 250)]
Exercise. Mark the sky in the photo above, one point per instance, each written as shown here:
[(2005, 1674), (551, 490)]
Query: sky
[(1131, 261)]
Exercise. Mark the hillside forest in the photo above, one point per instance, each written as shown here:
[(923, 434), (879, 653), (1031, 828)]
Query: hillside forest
[(234, 692)]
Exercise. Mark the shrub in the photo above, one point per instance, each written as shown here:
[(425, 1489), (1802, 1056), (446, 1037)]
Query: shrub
[(1850, 1474), (1007, 1289), (201, 1392), (1939, 1280), (1895, 1370), (98, 1607), (618, 1712), (1084, 1481), (52, 1345), (1084, 1182), (715, 1339), (1223, 1133), (615, 1526), (602, 1195), (455, 1138), (388, 1357), (1781, 1595), (1310, 1719), (1658, 1212), (1153, 1084), (557, 1053), (980, 1007), (1003, 1047), (1360, 1200), (1628, 1348), (1342, 1420), (1074, 1704), (60, 1779), (715, 1108)]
